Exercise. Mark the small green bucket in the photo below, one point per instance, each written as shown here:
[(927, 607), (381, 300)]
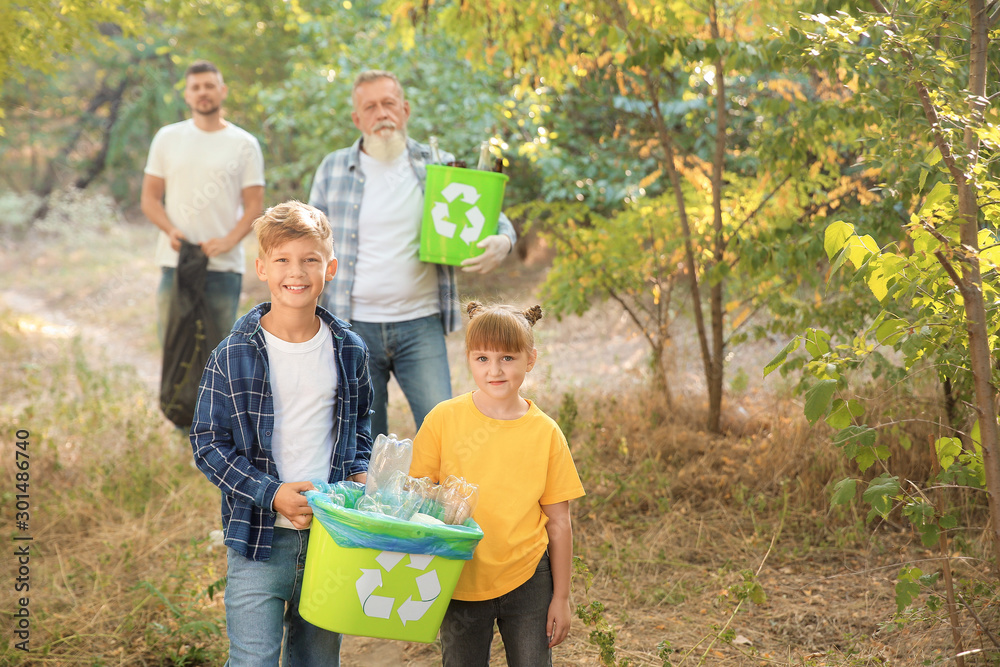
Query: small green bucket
[(372, 593), (461, 208)]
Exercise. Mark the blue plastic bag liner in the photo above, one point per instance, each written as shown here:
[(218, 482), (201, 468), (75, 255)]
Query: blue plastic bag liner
[(370, 530)]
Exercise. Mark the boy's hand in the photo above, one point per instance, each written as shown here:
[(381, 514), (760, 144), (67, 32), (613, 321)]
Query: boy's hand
[(291, 504), (558, 620), (360, 478)]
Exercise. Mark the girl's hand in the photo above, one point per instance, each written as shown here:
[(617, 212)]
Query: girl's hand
[(557, 623)]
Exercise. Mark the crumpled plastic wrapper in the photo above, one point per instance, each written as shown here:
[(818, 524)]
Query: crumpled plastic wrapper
[(458, 498)]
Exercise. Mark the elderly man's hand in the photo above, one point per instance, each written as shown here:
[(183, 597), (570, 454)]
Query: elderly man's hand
[(495, 248)]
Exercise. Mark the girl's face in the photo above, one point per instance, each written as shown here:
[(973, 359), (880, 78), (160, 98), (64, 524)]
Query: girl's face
[(499, 375)]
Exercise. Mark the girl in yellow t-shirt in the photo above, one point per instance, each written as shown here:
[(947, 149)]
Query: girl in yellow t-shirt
[(520, 573)]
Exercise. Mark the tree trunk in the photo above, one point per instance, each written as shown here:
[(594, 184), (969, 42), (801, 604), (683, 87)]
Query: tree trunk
[(972, 284), (951, 408), (711, 365), (660, 382), (105, 95), (101, 159), (715, 367), (690, 261)]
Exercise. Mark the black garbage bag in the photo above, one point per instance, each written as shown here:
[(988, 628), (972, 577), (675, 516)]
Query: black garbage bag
[(190, 337)]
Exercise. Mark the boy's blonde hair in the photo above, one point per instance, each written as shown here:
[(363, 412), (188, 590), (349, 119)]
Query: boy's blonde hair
[(289, 221), (500, 328)]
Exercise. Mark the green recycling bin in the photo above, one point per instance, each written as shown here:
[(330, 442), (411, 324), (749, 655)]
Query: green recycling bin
[(461, 208), (373, 575)]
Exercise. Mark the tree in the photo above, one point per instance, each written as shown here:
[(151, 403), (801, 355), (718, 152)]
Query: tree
[(946, 274), (627, 257), (91, 112), (922, 68), (290, 67), (35, 39), (692, 88), (307, 114)]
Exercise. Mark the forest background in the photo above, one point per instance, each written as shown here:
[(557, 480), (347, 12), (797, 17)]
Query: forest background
[(709, 178)]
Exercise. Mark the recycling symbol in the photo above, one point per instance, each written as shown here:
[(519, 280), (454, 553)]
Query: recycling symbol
[(380, 606), (440, 213)]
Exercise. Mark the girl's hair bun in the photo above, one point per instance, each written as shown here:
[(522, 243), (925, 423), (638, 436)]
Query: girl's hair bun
[(473, 307), (533, 314), (500, 327)]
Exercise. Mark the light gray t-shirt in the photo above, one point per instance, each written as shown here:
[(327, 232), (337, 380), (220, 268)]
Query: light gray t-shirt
[(205, 174), (391, 284)]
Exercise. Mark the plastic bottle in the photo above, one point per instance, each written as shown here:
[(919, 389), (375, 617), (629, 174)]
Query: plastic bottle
[(485, 159), (435, 151), (389, 455)]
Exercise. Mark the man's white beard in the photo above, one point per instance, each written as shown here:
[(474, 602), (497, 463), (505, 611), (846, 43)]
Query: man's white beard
[(386, 143)]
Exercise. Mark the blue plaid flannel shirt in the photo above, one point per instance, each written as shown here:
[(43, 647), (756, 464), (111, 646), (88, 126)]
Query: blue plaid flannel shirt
[(337, 190), (234, 419)]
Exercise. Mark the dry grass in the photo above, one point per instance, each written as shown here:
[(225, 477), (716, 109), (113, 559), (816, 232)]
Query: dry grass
[(673, 521), (115, 503)]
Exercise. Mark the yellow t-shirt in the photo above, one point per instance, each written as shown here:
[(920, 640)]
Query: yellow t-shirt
[(519, 465)]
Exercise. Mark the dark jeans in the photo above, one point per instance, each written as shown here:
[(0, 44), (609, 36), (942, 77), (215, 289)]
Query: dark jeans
[(467, 629)]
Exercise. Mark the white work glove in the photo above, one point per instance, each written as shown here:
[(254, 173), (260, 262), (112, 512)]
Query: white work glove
[(495, 248)]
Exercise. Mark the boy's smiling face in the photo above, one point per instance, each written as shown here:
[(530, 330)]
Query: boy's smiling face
[(295, 273)]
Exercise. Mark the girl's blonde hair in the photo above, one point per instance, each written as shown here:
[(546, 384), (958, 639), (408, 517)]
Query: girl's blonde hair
[(500, 328), (290, 221)]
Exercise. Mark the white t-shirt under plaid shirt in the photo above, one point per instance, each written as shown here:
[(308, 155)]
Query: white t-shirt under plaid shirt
[(337, 190), (304, 388)]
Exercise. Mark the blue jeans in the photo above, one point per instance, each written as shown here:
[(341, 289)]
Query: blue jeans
[(467, 629), (414, 351), (262, 604), (222, 293)]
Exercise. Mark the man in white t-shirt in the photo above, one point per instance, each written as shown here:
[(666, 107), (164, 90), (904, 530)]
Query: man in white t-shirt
[(204, 183), (373, 194)]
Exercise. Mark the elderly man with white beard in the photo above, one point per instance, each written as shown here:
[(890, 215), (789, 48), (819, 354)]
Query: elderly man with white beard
[(373, 194)]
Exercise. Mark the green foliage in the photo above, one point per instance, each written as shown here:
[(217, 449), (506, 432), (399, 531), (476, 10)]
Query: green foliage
[(909, 583), (923, 321), (748, 589), (643, 176), (602, 634), (289, 68), (189, 638), (36, 38), (663, 651), (569, 415), (844, 492), (308, 112)]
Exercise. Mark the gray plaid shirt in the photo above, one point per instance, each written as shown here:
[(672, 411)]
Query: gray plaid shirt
[(337, 190)]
